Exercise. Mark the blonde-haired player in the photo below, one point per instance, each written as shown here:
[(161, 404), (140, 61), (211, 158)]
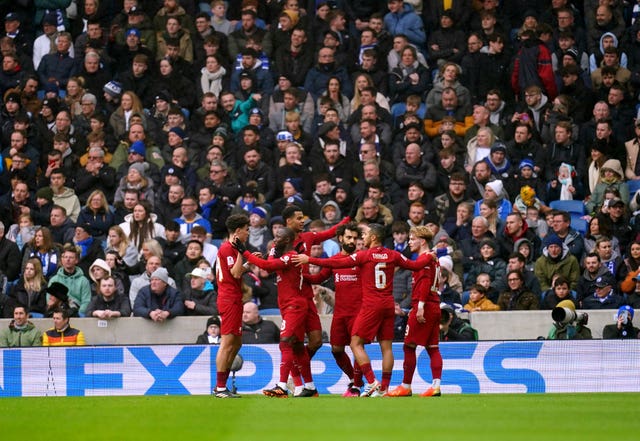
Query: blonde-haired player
[(423, 325)]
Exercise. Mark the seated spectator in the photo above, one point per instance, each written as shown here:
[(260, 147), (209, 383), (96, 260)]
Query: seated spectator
[(556, 259), (62, 333), (152, 263), (478, 300), (96, 215), (22, 232), (517, 296), (199, 299), (560, 292), (64, 196), (90, 248), (117, 241), (211, 335), (487, 262), (453, 328), (255, 329), (137, 179), (605, 295), (43, 248), (623, 328), (158, 301), (108, 303), (72, 278), (20, 332), (30, 291), (141, 225)]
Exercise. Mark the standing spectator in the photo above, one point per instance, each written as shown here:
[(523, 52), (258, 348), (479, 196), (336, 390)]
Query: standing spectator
[(58, 67), (533, 67), (402, 19)]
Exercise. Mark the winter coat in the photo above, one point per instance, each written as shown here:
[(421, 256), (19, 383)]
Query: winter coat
[(406, 22), (568, 266), (11, 337), (146, 301), (78, 285)]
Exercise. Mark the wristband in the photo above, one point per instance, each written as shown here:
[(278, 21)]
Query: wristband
[(421, 305)]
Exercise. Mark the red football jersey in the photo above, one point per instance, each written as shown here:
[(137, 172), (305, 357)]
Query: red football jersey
[(228, 286)]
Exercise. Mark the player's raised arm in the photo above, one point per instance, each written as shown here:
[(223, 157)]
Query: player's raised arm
[(419, 263)]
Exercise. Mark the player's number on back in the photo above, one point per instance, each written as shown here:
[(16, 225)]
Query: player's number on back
[(380, 276)]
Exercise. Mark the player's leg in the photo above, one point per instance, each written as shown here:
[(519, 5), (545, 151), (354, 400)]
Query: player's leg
[(386, 347), (313, 328), (362, 358), (340, 337), (223, 366), (231, 337), (432, 316)]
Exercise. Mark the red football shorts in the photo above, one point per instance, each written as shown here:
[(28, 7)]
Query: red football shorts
[(427, 333), (341, 330), (294, 318), (375, 319), (230, 317)]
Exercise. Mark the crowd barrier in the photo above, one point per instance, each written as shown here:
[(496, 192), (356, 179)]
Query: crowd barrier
[(469, 368), (512, 325)]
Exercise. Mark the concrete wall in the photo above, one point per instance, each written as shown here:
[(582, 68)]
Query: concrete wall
[(513, 325)]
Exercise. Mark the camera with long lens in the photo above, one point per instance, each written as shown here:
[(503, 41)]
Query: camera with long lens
[(565, 315)]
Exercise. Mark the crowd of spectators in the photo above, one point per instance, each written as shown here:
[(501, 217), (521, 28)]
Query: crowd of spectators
[(131, 130)]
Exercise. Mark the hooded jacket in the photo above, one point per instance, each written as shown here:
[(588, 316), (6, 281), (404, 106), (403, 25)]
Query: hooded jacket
[(12, 337), (566, 264)]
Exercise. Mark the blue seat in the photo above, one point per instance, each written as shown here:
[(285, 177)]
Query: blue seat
[(576, 207), (634, 186), (270, 311), (579, 224)]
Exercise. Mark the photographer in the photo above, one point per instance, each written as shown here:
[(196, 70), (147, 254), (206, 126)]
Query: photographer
[(453, 328), (623, 328), (568, 324)]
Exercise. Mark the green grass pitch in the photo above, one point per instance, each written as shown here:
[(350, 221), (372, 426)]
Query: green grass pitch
[(327, 418)]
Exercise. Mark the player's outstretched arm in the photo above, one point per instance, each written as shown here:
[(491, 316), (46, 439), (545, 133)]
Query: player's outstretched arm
[(419, 263), (268, 265)]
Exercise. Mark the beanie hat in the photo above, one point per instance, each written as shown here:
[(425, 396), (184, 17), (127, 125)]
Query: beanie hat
[(260, 212), (178, 131), (161, 273), (113, 88), (138, 147), (140, 167), (497, 186), (526, 162), (553, 239), (213, 321)]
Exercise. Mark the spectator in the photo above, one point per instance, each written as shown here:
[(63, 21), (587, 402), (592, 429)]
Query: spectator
[(199, 299), (20, 332), (478, 300), (453, 328), (108, 303), (605, 295), (158, 301), (255, 329), (517, 296), (62, 333), (556, 259), (211, 335), (72, 278), (623, 328)]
